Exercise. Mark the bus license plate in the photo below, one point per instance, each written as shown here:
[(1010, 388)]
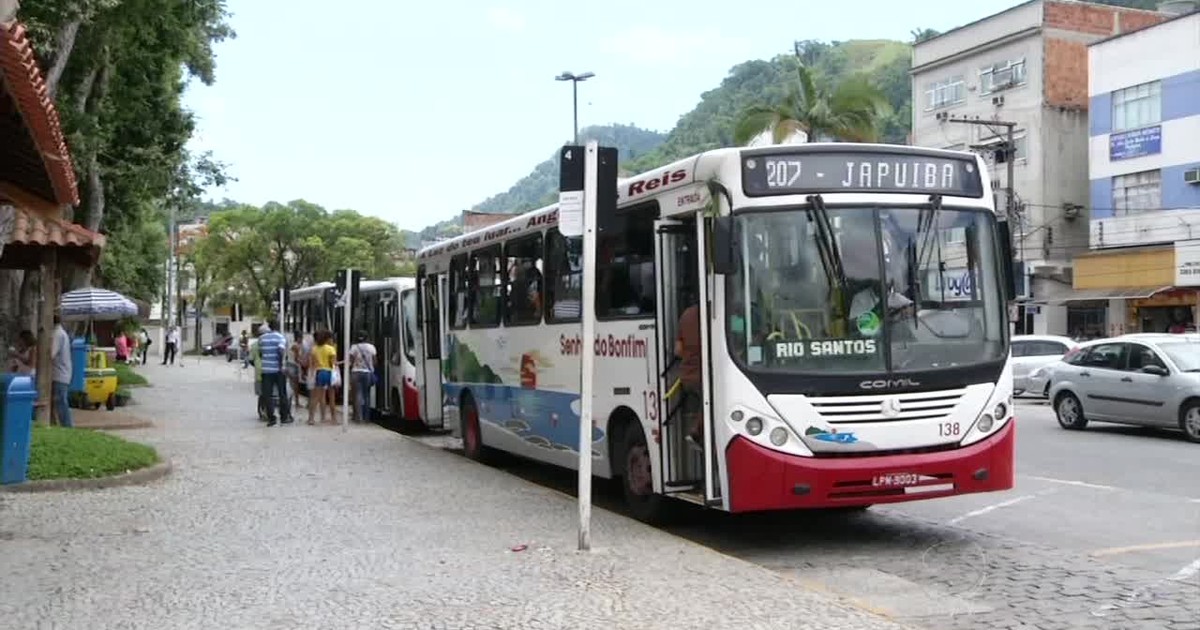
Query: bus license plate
[(896, 479)]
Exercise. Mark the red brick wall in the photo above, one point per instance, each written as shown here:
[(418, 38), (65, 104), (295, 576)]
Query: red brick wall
[(1096, 19), (1137, 20), (1066, 80), (1066, 67)]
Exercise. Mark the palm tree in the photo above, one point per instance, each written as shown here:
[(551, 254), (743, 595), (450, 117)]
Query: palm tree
[(851, 111)]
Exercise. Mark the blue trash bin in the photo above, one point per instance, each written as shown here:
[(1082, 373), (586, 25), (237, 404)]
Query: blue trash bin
[(17, 394), (79, 358)]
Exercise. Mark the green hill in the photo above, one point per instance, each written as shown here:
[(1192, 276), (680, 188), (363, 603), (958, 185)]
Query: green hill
[(540, 187), (710, 124)]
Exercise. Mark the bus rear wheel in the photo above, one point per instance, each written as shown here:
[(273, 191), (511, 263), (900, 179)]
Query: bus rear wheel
[(637, 479), (472, 438)]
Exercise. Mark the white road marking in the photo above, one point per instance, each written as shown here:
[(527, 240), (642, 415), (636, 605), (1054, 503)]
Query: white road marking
[(1070, 482), (1111, 551), (994, 506), (1186, 573)]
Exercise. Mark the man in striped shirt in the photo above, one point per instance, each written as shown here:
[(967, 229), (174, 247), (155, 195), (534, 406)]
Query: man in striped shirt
[(272, 350)]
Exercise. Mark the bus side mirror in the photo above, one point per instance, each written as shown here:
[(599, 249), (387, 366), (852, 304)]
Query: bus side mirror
[(1006, 255), (722, 246)]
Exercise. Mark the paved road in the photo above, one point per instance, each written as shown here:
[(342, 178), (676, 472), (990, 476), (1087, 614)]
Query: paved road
[(1102, 531), (309, 527)]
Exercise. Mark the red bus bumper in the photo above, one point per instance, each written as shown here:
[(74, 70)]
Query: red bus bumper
[(762, 479)]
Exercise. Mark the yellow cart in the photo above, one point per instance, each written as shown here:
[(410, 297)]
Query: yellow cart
[(100, 382)]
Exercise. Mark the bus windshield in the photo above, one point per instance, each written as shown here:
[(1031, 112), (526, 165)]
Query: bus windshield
[(866, 289)]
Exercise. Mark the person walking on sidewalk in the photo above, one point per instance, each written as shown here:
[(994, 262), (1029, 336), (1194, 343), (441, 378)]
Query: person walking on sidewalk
[(272, 352), (60, 362), (172, 346)]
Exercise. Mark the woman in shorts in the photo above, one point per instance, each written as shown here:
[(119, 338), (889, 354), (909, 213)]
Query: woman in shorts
[(323, 362)]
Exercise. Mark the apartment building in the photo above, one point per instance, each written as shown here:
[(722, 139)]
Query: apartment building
[(1143, 270), (1027, 66)]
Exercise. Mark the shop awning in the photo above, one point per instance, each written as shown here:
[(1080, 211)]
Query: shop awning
[(32, 234), (1112, 293)]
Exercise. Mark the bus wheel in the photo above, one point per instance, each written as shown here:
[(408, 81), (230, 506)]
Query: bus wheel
[(472, 438), (637, 480)]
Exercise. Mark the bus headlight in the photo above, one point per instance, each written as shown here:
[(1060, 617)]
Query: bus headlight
[(1001, 411), (985, 422), (737, 415), (754, 425), (779, 436)]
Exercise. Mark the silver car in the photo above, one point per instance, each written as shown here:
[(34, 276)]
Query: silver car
[(1031, 357), (1144, 379)]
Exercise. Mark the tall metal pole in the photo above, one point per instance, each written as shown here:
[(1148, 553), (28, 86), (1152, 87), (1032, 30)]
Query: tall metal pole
[(588, 352), (575, 106)]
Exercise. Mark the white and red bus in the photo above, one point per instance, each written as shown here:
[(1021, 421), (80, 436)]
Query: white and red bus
[(854, 326), (387, 311)]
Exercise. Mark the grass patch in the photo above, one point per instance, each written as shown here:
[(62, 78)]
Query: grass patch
[(127, 377), (58, 453)]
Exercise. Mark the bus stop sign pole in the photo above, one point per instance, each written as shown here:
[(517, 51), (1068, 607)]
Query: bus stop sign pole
[(577, 219)]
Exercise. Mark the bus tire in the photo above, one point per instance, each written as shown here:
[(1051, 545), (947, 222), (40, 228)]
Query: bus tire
[(472, 436), (637, 481)]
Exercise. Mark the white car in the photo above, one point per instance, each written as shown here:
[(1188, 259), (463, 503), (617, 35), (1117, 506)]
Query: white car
[(1033, 357)]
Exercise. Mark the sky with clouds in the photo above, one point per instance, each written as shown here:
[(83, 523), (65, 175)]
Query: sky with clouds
[(415, 111)]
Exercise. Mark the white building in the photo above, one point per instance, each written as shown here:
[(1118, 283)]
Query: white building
[(1028, 66), (1144, 171)]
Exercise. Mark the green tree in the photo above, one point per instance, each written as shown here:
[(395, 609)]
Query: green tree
[(852, 110), (252, 252)]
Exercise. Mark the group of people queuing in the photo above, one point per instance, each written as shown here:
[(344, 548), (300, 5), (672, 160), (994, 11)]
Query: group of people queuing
[(22, 360), (313, 362)]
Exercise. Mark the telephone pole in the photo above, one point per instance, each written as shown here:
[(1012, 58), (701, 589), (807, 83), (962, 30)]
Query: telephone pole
[(1010, 202)]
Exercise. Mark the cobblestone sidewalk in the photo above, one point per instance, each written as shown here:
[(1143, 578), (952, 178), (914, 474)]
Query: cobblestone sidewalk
[(308, 527)]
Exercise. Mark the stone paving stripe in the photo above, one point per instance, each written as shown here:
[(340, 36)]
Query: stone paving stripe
[(891, 595), (1071, 482), (995, 506), (1112, 551), (1186, 573)]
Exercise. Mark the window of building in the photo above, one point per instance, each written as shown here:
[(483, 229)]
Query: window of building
[(1137, 106), (460, 292), (625, 264), (1136, 193), (564, 277), (487, 280), (945, 93), (1001, 76), (524, 288), (990, 146)]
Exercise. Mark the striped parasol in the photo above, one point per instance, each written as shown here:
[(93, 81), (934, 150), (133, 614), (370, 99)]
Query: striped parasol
[(96, 304)]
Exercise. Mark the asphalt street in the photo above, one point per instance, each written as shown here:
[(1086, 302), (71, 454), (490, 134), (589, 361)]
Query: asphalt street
[(1101, 531)]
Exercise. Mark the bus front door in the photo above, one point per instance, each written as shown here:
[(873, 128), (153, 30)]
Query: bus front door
[(677, 264), (429, 348)]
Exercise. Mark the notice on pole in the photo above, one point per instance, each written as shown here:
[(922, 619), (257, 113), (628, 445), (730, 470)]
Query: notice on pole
[(570, 213)]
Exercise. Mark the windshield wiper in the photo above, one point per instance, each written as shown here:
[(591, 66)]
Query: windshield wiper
[(927, 220), (831, 258)]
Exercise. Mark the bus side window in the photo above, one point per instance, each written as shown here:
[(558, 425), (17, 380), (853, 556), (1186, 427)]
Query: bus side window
[(460, 292), (625, 264), (487, 280), (564, 277), (524, 282)]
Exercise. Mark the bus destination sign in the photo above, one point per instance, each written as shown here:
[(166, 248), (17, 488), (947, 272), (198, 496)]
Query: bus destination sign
[(860, 172)]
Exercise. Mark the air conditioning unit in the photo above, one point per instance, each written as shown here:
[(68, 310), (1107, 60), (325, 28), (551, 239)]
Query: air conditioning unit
[(997, 101), (1192, 176)]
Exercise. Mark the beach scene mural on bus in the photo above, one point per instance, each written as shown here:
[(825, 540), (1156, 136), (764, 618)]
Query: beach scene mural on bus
[(508, 398)]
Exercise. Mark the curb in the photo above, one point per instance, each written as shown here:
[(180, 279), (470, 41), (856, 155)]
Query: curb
[(137, 477), (118, 426)]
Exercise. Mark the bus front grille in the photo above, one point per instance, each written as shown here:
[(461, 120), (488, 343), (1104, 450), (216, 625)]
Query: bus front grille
[(839, 410)]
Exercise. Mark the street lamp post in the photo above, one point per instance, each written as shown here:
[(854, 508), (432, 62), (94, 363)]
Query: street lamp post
[(575, 79)]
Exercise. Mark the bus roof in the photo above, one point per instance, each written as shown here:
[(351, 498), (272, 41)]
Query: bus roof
[(691, 170)]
